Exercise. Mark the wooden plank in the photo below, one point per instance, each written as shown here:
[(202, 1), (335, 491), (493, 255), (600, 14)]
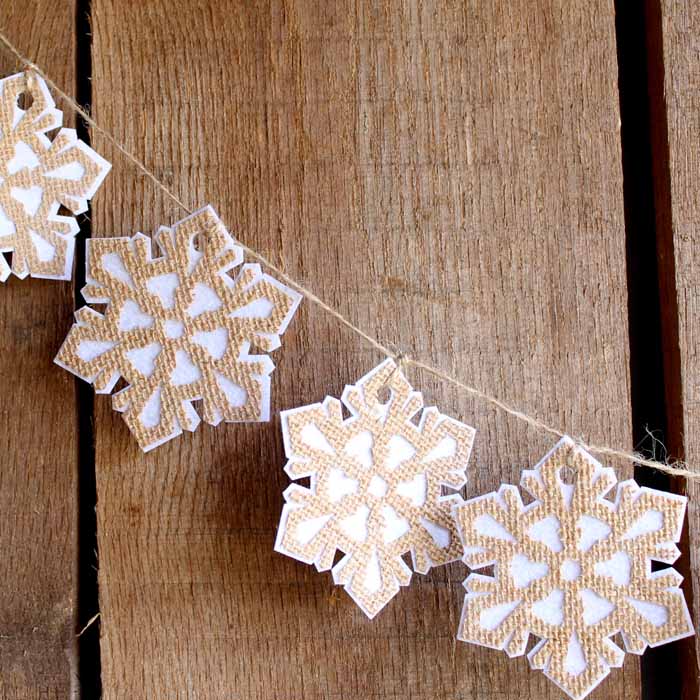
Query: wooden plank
[(38, 429), (448, 176), (675, 100)]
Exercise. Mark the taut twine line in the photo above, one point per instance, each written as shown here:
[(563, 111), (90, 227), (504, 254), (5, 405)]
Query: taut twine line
[(678, 468)]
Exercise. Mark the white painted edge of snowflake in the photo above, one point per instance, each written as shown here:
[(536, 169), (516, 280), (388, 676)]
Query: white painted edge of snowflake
[(289, 507), (599, 470), (155, 252), (23, 160)]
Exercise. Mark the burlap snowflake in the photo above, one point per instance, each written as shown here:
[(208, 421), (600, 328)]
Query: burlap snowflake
[(37, 176), (178, 328), (573, 568), (376, 486)]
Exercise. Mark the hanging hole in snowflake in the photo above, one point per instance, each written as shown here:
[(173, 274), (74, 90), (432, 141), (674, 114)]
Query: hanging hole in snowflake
[(25, 100), (568, 475), (384, 395)]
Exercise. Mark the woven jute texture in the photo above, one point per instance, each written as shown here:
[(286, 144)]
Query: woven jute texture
[(37, 176), (178, 328), (376, 489), (573, 568)]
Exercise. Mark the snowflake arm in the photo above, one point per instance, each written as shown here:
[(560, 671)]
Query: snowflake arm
[(37, 177), (178, 327), (573, 568), (376, 486)]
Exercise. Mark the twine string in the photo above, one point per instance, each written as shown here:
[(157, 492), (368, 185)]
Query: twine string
[(402, 359)]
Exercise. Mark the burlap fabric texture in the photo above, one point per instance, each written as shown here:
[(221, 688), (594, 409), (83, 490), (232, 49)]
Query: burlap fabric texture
[(178, 328), (377, 482), (38, 175), (573, 568)]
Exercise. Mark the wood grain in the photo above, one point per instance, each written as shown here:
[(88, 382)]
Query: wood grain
[(675, 99), (38, 432), (448, 176)]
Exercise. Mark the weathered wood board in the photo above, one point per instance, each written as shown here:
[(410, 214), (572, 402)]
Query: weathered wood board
[(38, 431), (448, 176), (674, 30)]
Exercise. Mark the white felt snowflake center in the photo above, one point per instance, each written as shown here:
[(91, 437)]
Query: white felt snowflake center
[(573, 568), (38, 175), (376, 486), (178, 328)]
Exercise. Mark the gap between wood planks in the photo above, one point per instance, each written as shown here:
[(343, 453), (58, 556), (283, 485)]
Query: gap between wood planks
[(653, 332), (686, 664), (88, 610), (652, 306)]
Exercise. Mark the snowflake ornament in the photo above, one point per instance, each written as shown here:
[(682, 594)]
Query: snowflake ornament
[(37, 176), (376, 489), (178, 328), (573, 568)]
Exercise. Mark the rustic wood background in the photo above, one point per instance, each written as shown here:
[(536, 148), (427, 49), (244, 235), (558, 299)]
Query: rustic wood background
[(449, 175)]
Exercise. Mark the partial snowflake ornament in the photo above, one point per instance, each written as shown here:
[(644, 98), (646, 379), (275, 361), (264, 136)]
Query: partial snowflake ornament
[(376, 490), (178, 328), (38, 175), (573, 568)]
